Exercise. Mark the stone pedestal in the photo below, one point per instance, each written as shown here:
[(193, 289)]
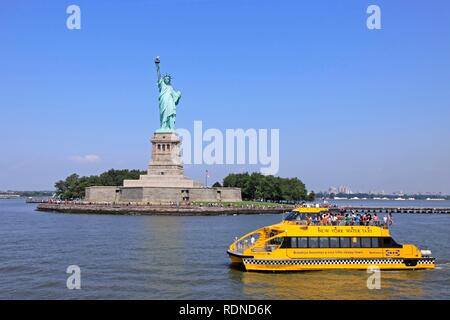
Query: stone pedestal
[(166, 158), (164, 182), (165, 168)]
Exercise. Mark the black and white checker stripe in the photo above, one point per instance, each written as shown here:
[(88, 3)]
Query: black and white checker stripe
[(333, 261), (426, 261)]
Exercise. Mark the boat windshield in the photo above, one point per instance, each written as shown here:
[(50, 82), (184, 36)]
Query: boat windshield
[(247, 242), (298, 216)]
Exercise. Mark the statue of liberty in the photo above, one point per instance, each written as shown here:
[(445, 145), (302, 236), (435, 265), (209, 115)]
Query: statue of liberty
[(168, 101)]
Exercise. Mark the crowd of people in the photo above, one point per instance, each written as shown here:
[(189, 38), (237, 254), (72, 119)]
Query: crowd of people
[(350, 219)]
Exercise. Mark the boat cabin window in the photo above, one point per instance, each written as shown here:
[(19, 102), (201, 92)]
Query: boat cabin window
[(313, 242), (323, 242), (302, 242), (294, 242), (366, 242), (375, 242), (345, 242), (335, 242), (388, 242), (277, 241), (356, 242)]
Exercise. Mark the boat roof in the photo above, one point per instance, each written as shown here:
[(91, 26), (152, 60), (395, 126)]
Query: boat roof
[(310, 210)]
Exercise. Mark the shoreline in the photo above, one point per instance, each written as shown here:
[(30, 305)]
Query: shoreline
[(158, 210), (197, 210)]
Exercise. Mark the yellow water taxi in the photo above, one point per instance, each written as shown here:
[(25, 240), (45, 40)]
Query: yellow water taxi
[(318, 239)]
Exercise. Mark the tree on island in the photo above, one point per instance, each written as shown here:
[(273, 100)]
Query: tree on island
[(73, 187), (311, 196), (256, 186)]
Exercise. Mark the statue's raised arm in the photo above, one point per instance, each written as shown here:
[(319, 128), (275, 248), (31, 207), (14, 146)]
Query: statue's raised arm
[(158, 73)]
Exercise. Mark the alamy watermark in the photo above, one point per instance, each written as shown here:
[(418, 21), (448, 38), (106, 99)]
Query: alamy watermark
[(234, 146), (373, 22), (74, 280), (73, 21), (374, 280)]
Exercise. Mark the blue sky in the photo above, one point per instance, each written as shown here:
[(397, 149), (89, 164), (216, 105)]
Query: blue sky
[(365, 108)]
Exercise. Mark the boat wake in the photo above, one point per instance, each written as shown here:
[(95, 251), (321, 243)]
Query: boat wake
[(443, 266)]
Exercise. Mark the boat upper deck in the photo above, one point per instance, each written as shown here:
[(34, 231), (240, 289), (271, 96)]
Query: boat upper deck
[(318, 222), (323, 218)]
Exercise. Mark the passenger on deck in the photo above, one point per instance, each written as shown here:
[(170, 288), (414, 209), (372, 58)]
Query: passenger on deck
[(348, 220), (375, 219), (334, 220), (339, 218), (353, 218), (390, 219), (324, 219), (363, 220), (357, 220), (344, 221), (369, 219), (316, 220)]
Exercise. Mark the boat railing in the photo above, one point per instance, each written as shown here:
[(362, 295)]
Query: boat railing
[(342, 222), (268, 244)]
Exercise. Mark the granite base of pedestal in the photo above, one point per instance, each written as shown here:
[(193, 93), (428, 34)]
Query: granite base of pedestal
[(161, 195)]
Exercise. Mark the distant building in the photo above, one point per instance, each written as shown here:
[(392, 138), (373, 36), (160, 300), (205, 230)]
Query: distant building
[(344, 190), (332, 190)]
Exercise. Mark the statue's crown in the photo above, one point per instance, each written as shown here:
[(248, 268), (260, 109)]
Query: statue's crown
[(167, 75)]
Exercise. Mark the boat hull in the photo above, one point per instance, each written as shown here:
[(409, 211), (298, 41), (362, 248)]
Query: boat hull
[(303, 242), (280, 265), (237, 258), (252, 264)]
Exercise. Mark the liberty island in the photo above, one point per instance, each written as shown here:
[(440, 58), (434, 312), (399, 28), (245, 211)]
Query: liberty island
[(165, 182), (164, 189)]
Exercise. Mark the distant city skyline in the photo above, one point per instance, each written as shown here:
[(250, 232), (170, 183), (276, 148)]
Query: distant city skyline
[(328, 191), (348, 190), (368, 109)]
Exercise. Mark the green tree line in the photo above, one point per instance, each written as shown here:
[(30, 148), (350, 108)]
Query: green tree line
[(256, 186), (73, 186)]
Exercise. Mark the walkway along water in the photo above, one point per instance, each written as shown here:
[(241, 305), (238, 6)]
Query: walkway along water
[(214, 209)]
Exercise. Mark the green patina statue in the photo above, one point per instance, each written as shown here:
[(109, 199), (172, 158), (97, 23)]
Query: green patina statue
[(168, 101)]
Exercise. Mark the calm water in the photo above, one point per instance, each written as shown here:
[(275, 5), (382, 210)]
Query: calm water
[(144, 257)]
